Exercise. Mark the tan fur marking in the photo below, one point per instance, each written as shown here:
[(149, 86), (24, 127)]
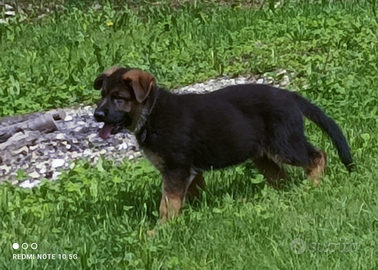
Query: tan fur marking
[(170, 206), (137, 114), (315, 171), (141, 81)]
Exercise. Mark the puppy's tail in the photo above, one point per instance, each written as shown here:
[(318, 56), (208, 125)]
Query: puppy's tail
[(329, 126)]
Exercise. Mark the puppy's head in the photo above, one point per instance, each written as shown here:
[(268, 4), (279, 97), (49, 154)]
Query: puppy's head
[(124, 92)]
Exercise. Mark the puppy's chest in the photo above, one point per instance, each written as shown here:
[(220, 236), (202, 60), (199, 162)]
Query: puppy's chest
[(148, 143), (155, 159)]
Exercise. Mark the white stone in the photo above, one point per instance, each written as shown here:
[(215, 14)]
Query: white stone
[(5, 168), (60, 136), (97, 6), (28, 184), (68, 118), (92, 136), (10, 13), (40, 165), (34, 175), (22, 149), (33, 147), (260, 81), (122, 146), (87, 152), (56, 163), (55, 175), (25, 166), (43, 170)]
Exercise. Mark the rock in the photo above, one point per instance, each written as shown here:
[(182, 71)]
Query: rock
[(23, 150), (87, 152), (92, 137), (25, 166), (34, 175), (260, 81), (78, 129), (33, 147), (55, 175), (40, 165), (122, 146), (10, 13), (61, 136), (29, 184), (34, 157), (56, 163), (75, 155), (68, 118), (5, 169), (42, 168), (285, 81), (97, 6)]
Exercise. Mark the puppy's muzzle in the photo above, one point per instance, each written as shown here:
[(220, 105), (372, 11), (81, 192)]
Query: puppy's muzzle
[(101, 114)]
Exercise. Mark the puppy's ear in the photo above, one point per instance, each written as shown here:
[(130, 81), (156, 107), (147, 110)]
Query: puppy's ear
[(98, 83), (141, 82)]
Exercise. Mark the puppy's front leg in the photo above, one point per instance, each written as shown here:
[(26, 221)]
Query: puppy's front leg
[(175, 185)]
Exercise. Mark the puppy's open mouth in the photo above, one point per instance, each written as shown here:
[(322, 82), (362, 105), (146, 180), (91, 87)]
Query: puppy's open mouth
[(108, 129)]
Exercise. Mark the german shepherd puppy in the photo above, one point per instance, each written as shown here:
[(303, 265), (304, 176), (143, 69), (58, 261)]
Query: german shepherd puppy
[(186, 134)]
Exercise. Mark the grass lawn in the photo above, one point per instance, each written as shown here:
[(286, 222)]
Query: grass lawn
[(97, 217)]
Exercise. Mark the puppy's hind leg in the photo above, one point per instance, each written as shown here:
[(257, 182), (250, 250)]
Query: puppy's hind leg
[(273, 172), (195, 187), (317, 165)]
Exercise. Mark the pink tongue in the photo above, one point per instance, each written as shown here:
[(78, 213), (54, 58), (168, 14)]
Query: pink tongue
[(105, 131)]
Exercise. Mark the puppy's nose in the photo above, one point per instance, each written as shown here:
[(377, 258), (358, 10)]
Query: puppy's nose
[(99, 115)]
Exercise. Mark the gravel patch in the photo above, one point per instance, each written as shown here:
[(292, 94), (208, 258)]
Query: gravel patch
[(42, 154)]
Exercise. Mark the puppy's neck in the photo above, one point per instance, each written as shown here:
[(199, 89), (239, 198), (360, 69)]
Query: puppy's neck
[(146, 111)]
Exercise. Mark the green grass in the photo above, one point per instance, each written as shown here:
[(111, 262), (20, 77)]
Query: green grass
[(102, 213)]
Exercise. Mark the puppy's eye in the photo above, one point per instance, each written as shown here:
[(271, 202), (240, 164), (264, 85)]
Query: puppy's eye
[(117, 97)]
